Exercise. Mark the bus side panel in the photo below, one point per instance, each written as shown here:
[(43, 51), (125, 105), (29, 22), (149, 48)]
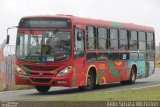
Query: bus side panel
[(149, 68), (79, 73), (118, 71), (140, 68), (102, 73), (111, 71)]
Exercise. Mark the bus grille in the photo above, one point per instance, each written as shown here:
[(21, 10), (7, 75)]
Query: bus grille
[(41, 80), (42, 68), (43, 74)]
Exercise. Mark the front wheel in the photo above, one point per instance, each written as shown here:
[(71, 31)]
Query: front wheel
[(90, 83), (42, 89)]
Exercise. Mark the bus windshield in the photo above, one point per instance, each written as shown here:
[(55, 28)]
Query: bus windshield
[(49, 46)]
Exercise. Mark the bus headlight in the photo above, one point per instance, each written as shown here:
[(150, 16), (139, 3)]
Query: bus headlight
[(64, 71), (20, 71)]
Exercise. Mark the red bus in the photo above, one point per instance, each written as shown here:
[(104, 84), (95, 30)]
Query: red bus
[(71, 51)]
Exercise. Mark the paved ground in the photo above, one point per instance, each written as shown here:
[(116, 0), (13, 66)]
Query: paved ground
[(151, 81)]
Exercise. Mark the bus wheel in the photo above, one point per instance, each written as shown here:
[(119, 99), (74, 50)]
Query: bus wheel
[(42, 89), (132, 77), (90, 82)]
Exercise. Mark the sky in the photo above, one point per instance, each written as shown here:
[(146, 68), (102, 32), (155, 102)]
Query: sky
[(143, 12)]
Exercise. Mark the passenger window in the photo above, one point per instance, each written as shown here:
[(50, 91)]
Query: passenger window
[(142, 56), (114, 56), (142, 41), (133, 41), (134, 56), (150, 56), (142, 36), (91, 57), (113, 42), (150, 41), (91, 38), (102, 57), (142, 45), (123, 40), (102, 39)]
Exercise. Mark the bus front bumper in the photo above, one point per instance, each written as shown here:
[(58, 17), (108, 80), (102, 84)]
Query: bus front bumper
[(65, 81)]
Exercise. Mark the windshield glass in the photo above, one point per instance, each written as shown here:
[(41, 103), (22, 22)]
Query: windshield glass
[(46, 47)]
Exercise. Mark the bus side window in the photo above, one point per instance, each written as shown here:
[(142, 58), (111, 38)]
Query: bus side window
[(102, 39), (150, 42), (123, 40), (133, 41), (142, 41), (78, 43), (113, 42), (91, 38)]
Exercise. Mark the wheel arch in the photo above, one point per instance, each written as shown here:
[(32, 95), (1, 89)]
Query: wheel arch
[(134, 66), (92, 68)]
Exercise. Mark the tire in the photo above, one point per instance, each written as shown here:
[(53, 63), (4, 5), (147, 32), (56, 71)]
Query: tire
[(132, 77), (90, 83), (42, 89)]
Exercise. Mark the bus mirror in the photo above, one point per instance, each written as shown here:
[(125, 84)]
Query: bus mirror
[(8, 37), (79, 36)]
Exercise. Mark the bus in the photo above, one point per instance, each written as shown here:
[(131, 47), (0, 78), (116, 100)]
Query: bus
[(70, 51)]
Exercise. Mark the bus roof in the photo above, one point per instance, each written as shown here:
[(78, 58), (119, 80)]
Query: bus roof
[(112, 24), (98, 22)]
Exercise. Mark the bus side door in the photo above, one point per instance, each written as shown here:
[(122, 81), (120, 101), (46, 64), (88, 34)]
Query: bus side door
[(79, 60)]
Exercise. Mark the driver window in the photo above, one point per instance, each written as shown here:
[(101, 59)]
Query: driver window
[(79, 43)]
